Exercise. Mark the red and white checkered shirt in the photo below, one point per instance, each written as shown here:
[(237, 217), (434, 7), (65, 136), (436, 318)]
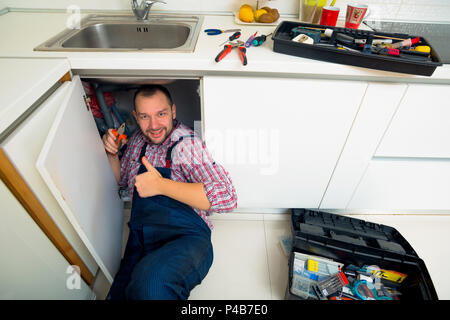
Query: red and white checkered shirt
[(191, 162)]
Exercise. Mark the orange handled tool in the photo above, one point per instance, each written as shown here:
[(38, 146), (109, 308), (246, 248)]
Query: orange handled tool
[(242, 55), (226, 50), (119, 133)]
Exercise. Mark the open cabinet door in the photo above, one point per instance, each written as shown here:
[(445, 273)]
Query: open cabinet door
[(74, 165)]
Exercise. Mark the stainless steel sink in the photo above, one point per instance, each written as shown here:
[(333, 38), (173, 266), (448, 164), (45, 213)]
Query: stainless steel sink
[(159, 33)]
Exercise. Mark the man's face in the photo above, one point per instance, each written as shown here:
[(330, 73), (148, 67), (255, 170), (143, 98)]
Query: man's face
[(155, 116)]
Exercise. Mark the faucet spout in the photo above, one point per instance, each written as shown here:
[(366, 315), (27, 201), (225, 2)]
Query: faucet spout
[(142, 10)]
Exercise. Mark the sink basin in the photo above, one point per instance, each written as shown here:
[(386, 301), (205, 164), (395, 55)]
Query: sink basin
[(125, 33)]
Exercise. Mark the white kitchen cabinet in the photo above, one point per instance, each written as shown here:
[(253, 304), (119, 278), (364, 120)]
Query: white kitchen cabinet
[(74, 171), (379, 105), (280, 139), (396, 158), (421, 125)]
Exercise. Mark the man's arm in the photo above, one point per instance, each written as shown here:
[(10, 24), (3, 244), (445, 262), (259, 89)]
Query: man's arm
[(151, 183), (192, 194)]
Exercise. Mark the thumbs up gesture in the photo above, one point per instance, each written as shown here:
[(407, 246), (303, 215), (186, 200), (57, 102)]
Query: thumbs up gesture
[(148, 183)]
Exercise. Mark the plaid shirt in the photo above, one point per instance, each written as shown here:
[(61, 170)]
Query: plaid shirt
[(191, 162)]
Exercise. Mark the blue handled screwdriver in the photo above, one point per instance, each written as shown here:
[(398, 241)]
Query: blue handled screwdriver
[(260, 40)]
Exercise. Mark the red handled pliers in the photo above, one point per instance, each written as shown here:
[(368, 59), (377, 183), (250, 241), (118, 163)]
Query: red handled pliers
[(120, 135), (227, 49)]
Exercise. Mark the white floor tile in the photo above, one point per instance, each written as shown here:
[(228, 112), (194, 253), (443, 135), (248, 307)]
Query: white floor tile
[(240, 266)]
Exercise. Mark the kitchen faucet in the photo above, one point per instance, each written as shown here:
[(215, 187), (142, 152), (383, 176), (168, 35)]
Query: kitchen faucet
[(141, 11)]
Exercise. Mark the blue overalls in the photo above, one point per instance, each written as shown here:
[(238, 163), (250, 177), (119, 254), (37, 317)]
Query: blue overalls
[(169, 249)]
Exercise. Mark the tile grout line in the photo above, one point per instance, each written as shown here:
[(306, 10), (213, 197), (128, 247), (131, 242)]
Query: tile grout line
[(267, 257)]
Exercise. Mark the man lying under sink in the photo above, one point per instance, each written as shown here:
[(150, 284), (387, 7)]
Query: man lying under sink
[(175, 184)]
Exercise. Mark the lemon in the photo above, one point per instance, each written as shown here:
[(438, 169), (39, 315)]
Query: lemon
[(258, 13), (246, 6), (246, 13)]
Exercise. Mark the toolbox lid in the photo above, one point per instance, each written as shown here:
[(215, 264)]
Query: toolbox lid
[(350, 234)]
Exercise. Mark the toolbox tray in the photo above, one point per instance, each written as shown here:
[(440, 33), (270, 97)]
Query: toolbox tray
[(282, 43), (358, 242)]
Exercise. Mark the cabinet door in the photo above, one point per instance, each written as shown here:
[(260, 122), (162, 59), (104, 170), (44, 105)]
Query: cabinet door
[(421, 126), (280, 139), (74, 165), (396, 158), (367, 131), (402, 184), (32, 133)]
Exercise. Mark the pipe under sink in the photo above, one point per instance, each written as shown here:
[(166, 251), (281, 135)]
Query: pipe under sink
[(109, 33)]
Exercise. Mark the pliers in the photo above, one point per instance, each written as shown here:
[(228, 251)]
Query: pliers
[(119, 133), (212, 32), (227, 49)]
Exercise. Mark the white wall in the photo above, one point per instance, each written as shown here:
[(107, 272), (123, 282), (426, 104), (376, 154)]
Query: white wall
[(432, 10)]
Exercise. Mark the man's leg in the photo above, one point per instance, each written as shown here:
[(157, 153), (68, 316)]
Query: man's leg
[(133, 252), (173, 270)]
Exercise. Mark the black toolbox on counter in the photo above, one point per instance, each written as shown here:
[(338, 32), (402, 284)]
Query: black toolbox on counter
[(353, 241), (282, 43)]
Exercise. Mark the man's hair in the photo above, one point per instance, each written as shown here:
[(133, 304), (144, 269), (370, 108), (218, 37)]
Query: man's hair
[(150, 90)]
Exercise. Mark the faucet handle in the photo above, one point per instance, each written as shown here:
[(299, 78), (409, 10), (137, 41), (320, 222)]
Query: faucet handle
[(142, 10), (154, 1)]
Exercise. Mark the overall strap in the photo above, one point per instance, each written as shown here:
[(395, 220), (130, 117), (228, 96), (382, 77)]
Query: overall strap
[(169, 150), (143, 150)]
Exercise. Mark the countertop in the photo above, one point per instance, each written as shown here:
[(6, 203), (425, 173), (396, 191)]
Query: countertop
[(22, 31)]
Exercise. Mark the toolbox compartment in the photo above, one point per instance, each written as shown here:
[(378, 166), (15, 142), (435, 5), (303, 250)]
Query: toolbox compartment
[(282, 43), (353, 241)]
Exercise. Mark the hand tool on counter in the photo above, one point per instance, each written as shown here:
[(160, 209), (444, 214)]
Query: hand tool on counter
[(213, 32), (119, 133), (243, 55), (249, 41), (405, 43), (227, 49), (234, 36), (260, 40)]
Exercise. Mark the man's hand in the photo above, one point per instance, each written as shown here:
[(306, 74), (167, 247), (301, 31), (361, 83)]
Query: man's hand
[(109, 142), (148, 184)]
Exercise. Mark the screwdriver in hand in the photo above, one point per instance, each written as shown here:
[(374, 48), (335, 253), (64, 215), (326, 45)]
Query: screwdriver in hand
[(260, 40), (232, 37)]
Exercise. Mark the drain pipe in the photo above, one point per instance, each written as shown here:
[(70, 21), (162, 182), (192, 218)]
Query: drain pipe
[(103, 106)]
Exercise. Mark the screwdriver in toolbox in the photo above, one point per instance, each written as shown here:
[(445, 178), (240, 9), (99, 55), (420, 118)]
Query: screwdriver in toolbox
[(232, 37), (260, 40)]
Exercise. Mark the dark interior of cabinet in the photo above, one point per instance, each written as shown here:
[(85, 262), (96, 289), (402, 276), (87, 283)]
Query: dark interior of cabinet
[(185, 95)]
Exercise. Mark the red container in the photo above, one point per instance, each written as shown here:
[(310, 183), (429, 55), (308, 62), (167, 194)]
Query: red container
[(329, 16), (355, 14)]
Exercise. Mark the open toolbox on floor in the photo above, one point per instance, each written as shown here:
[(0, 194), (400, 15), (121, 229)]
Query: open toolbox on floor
[(335, 257), (356, 47)]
